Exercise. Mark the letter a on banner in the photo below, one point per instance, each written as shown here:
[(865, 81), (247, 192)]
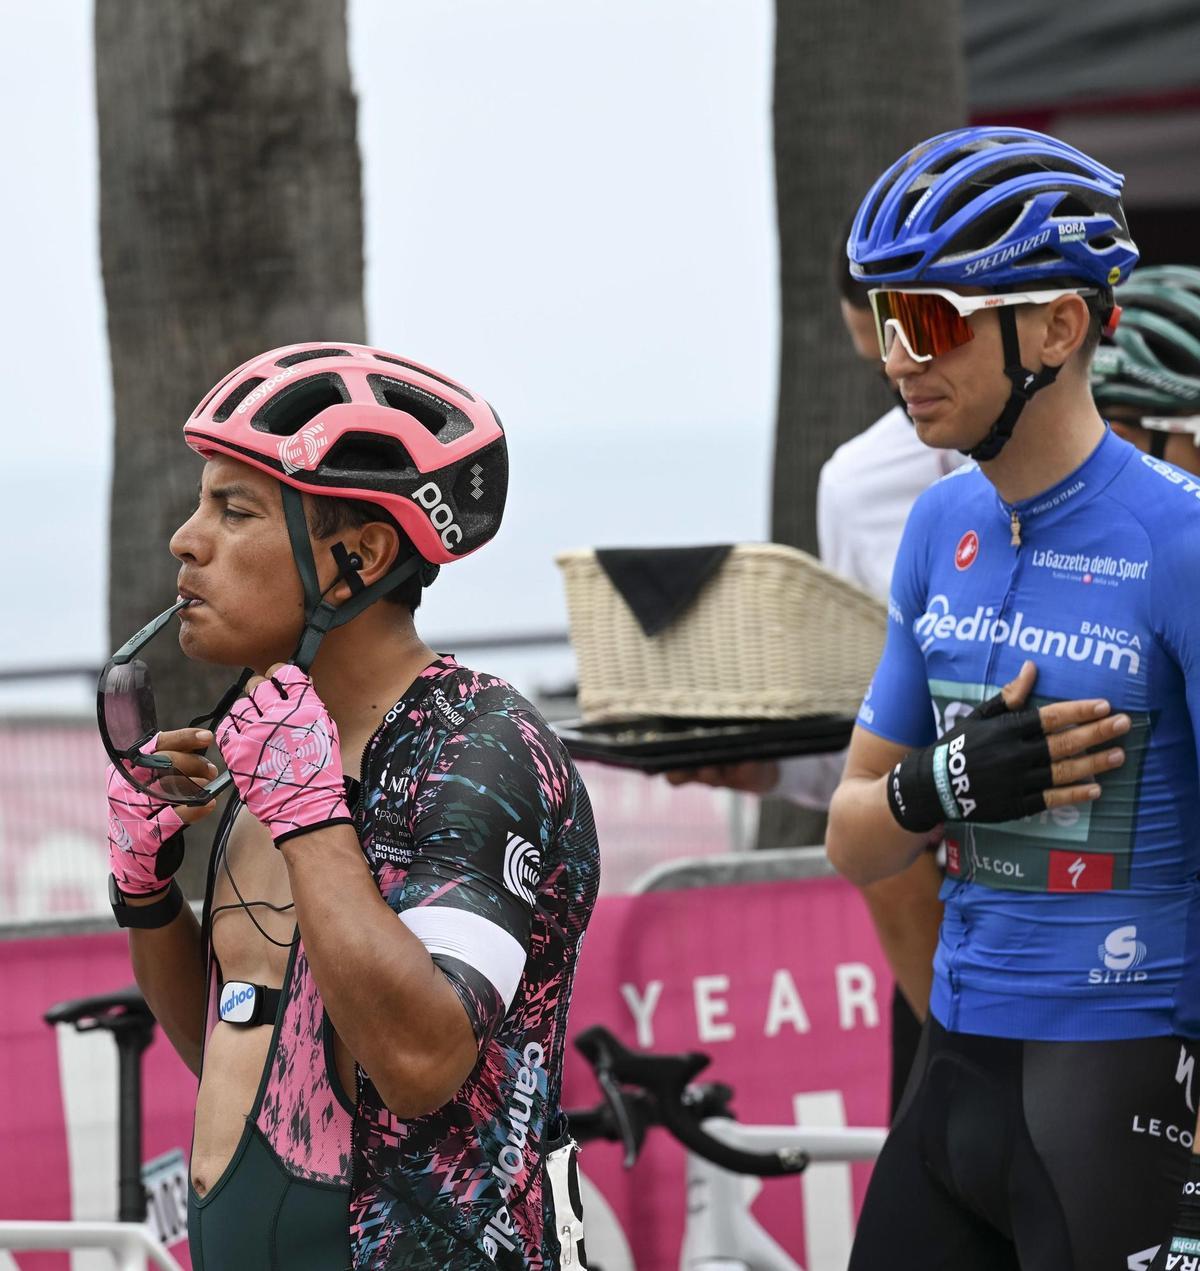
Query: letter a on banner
[(785, 1005)]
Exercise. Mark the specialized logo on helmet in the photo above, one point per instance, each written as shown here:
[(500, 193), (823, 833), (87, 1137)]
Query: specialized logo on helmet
[(1005, 254), (429, 496), (522, 868), (252, 399), (303, 449)]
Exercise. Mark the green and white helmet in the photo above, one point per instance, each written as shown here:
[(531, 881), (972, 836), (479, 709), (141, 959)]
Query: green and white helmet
[(1151, 365)]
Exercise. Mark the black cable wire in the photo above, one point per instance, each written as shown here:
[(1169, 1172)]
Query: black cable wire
[(247, 905)]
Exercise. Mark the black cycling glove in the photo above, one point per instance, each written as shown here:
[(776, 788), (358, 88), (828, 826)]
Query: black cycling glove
[(1181, 1250), (993, 766)]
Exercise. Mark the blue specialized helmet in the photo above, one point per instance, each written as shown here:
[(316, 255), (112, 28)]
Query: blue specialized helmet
[(996, 208)]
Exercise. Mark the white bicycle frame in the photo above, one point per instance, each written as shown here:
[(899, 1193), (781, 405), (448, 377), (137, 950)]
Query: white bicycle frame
[(721, 1234), (131, 1245)]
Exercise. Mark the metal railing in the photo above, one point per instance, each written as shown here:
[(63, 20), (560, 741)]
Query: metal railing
[(131, 1244)]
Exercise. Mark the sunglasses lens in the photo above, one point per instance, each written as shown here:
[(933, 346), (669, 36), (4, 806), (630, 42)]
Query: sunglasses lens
[(931, 324), (127, 698)]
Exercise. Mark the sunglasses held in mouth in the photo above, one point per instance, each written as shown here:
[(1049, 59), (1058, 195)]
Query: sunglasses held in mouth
[(128, 720), (930, 321)]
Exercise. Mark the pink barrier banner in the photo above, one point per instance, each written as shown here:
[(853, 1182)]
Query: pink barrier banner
[(783, 984), (785, 987), (58, 1114)]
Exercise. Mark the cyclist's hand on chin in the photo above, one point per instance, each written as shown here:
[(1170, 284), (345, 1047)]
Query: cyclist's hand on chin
[(282, 750), (145, 836), (756, 776), (1007, 760)]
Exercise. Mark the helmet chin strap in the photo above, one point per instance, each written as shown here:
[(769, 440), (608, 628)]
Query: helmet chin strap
[(1024, 384), (321, 617)]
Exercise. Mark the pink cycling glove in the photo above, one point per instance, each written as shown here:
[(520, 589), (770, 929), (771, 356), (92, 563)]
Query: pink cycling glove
[(282, 750), (145, 839)]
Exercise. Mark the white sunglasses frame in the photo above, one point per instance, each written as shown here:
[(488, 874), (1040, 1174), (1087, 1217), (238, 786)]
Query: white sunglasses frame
[(1186, 425), (964, 305)]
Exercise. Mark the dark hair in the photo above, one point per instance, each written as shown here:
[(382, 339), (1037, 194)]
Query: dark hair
[(850, 289), (327, 516)]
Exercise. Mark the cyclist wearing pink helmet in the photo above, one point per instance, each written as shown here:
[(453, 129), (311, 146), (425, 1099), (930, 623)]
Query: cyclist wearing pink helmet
[(373, 1093)]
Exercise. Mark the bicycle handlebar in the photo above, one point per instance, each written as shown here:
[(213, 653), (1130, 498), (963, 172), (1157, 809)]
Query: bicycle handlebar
[(663, 1094)]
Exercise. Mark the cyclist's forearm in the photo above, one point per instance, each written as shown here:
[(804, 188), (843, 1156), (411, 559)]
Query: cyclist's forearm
[(907, 914), (168, 964), (864, 841)]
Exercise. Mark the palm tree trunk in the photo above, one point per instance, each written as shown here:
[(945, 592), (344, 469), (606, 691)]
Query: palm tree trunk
[(230, 222), (856, 84)]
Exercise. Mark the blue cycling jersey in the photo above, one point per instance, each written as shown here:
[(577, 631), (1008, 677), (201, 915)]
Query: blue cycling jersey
[(1079, 923)]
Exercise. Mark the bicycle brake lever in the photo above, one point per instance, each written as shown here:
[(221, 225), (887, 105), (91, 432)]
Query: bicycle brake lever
[(633, 1131)]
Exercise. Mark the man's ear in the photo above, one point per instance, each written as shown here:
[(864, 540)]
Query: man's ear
[(1067, 322), (378, 545)]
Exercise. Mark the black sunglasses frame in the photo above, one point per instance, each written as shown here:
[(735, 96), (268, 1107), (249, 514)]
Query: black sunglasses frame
[(132, 754)]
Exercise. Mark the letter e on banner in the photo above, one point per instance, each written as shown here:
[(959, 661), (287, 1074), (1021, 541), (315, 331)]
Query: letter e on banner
[(709, 1026)]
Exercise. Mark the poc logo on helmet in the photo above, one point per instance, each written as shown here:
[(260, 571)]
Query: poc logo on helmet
[(429, 496)]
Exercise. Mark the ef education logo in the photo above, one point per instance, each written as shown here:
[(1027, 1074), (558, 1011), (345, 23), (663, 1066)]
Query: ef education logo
[(966, 551)]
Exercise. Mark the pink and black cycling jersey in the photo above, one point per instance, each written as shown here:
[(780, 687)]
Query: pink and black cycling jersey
[(479, 834)]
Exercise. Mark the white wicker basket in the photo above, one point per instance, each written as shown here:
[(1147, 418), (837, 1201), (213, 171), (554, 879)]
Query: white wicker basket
[(773, 635)]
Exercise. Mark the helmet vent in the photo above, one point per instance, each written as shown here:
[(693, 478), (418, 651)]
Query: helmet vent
[(368, 452), (984, 231), (307, 355), (231, 403), (421, 370), (287, 412), (901, 264), (445, 422)]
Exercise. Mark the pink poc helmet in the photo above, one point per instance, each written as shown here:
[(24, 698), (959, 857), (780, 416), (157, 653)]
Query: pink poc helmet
[(352, 422)]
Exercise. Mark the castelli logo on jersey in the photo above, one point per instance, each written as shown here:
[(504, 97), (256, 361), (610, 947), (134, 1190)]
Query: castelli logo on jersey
[(966, 551), (303, 449)]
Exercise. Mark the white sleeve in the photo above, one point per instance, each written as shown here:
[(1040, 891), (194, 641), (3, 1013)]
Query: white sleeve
[(831, 539), (810, 780)]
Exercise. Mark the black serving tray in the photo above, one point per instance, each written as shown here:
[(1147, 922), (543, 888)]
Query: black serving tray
[(658, 744)]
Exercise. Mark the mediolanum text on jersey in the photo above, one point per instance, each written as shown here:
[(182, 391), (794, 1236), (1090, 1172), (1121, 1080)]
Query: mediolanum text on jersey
[(1101, 646)]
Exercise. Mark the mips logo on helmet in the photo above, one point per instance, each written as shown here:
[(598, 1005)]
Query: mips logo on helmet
[(303, 449), (522, 868)]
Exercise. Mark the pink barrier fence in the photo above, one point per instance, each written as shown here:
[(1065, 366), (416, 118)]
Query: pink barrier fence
[(783, 984), (53, 860)]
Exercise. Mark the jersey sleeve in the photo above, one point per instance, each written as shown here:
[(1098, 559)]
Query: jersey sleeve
[(484, 823), (1175, 584), (897, 706)]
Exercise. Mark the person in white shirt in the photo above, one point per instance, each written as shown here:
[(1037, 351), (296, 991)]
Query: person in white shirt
[(864, 494)]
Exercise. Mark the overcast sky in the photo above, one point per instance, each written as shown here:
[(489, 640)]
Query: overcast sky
[(591, 246)]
